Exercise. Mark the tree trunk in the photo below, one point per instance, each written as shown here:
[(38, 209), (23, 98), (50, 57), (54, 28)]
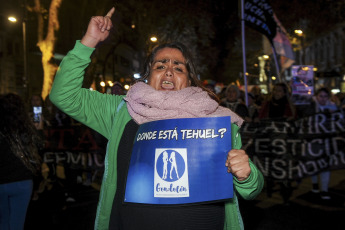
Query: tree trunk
[(47, 44)]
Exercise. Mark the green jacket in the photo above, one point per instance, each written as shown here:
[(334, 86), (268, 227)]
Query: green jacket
[(108, 115)]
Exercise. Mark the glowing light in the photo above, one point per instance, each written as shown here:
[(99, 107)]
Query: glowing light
[(274, 78), (12, 19), (153, 39), (102, 83), (305, 68), (266, 56), (133, 26), (136, 76), (315, 69), (335, 91), (110, 83), (126, 87), (299, 32)]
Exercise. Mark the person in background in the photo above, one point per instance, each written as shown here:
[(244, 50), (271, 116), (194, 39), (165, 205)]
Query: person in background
[(19, 161), (278, 105), (253, 109), (210, 84), (41, 121), (172, 91), (234, 103), (342, 101), (242, 97), (117, 89), (339, 100), (321, 103), (258, 97), (36, 101)]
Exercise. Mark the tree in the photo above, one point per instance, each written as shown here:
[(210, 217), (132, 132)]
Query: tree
[(46, 40)]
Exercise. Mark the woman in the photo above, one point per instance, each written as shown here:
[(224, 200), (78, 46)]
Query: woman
[(253, 109), (19, 161), (233, 102), (278, 106), (170, 74), (321, 104)]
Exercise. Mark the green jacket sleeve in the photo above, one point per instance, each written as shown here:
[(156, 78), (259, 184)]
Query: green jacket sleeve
[(94, 109)]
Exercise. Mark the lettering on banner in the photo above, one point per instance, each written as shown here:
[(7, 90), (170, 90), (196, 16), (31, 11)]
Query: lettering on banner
[(185, 134), (290, 150)]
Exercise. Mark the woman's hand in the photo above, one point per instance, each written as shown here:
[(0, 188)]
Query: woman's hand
[(98, 29), (238, 164)]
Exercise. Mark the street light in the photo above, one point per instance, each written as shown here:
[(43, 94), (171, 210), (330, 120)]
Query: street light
[(300, 34), (14, 20), (153, 39)]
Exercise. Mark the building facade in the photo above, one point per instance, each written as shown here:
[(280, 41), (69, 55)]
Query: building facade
[(327, 54)]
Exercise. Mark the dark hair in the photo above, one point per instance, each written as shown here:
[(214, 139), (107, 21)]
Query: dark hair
[(192, 73), (285, 88), (323, 89), (18, 130)]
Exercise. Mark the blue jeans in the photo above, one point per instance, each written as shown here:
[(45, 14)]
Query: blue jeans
[(14, 202)]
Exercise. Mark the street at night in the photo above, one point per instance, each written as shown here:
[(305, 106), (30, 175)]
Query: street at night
[(201, 114)]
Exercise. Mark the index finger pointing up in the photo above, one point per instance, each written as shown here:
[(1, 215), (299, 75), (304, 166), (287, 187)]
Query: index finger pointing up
[(111, 12)]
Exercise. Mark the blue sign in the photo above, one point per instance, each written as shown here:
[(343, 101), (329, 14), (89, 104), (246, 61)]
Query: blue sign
[(180, 161)]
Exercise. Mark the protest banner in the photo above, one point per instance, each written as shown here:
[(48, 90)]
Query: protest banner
[(281, 150), (180, 161), (78, 151), (258, 14), (290, 150), (302, 84)]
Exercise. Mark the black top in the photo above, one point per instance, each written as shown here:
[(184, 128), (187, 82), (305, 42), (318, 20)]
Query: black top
[(12, 169), (277, 107), (236, 107), (139, 216)]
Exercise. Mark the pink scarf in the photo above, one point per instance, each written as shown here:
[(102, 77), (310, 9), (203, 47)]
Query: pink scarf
[(146, 104)]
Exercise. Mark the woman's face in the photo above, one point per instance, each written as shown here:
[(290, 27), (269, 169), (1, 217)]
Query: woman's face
[(169, 71), (278, 92), (232, 95), (322, 98)]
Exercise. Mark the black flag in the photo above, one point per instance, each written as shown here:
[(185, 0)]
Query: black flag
[(258, 14)]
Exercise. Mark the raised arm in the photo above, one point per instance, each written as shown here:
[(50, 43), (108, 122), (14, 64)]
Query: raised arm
[(94, 109), (98, 29)]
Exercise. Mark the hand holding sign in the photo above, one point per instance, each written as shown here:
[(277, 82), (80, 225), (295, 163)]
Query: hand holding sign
[(238, 164)]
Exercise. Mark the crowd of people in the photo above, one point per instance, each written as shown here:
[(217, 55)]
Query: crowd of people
[(172, 88), (278, 106)]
